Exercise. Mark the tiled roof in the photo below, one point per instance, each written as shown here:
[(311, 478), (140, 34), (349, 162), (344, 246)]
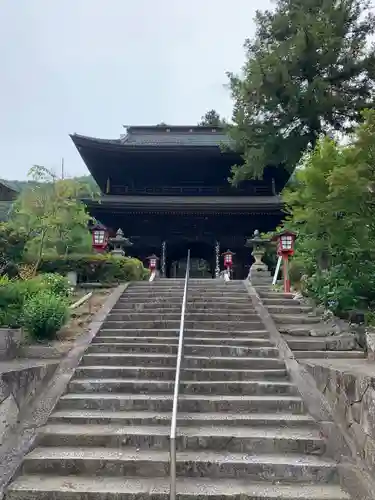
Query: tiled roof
[(176, 136), (195, 136), (7, 193)]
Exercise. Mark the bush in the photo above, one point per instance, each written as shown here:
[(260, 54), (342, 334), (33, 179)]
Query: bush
[(102, 268), (14, 294), (44, 314), (344, 288), (56, 283)]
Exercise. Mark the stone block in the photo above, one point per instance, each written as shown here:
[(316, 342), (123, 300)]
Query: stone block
[(368, 412), (355, 409), (8, 416), (24, 383), (370, 342), (10, 340)]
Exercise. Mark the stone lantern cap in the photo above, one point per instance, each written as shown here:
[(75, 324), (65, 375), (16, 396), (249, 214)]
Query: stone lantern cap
[(120, 240), (257, 240)]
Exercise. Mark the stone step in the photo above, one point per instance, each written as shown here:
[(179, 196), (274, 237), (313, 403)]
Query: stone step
[(71, 487), (180, 289), (176, 316), (237, 439), (245, 341), (284, 420), (331, 343), (200, 325), (329, 354), (189, 349), (297, 330), (187, 403), (155, 463), (129, 359), (160, 359), (295, 319), (201, 295), (269, 294), (242, 300), (292, 309), (279, 301), (174, 332), (199, 307), (169, 373), (232, 362), (147, 386)]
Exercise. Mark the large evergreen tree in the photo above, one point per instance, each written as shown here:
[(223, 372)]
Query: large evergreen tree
[(309, 71), (213, 118)]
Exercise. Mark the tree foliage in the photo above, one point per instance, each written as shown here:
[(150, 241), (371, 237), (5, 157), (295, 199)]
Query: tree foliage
[(50, 214), (212, 118), (331, 206), (308, 71)]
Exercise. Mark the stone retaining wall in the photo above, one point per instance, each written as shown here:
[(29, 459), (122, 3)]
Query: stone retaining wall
[(352, 398), (17, 387)]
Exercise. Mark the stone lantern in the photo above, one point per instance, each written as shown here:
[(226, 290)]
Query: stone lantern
[(119, 242), (258, 273)]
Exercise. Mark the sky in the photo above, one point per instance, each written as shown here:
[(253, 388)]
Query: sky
[(92, 66)]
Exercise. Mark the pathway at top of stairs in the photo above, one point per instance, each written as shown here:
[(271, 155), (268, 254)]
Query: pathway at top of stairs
[(243, 432)]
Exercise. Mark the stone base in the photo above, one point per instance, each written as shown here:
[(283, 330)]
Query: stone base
[(259, 275)]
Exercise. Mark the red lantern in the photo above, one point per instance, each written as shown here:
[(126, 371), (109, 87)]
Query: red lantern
[(99, 237), (228, 259), (286, 241), (285, 248), (152, 262)]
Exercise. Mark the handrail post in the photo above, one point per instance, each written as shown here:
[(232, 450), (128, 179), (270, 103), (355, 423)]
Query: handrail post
[(173, 459)]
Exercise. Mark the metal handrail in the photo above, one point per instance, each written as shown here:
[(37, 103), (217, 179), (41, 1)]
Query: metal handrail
[(177, 385)]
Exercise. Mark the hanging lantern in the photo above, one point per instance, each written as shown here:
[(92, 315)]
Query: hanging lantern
[(228, 259), (152, 262), (99, 237)]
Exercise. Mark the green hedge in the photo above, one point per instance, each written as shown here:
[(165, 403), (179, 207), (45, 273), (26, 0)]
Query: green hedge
[(103, 268)]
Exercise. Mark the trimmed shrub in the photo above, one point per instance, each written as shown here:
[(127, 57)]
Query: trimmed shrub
[(103, 268), (44, 314)]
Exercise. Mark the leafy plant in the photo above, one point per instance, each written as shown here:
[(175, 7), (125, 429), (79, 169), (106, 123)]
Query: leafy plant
[(44, 314), (331, 206), (56, 283)]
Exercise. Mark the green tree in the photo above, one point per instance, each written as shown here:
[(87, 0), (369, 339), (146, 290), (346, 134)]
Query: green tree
[(331, 206), (308, 71), (52, 216), (212, 118)]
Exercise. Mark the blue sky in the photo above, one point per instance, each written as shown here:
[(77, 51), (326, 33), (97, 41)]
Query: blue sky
[(91, 66)]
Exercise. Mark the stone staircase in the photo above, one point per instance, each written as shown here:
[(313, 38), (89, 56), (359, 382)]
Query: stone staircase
[(243, 432), (307, 335)]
